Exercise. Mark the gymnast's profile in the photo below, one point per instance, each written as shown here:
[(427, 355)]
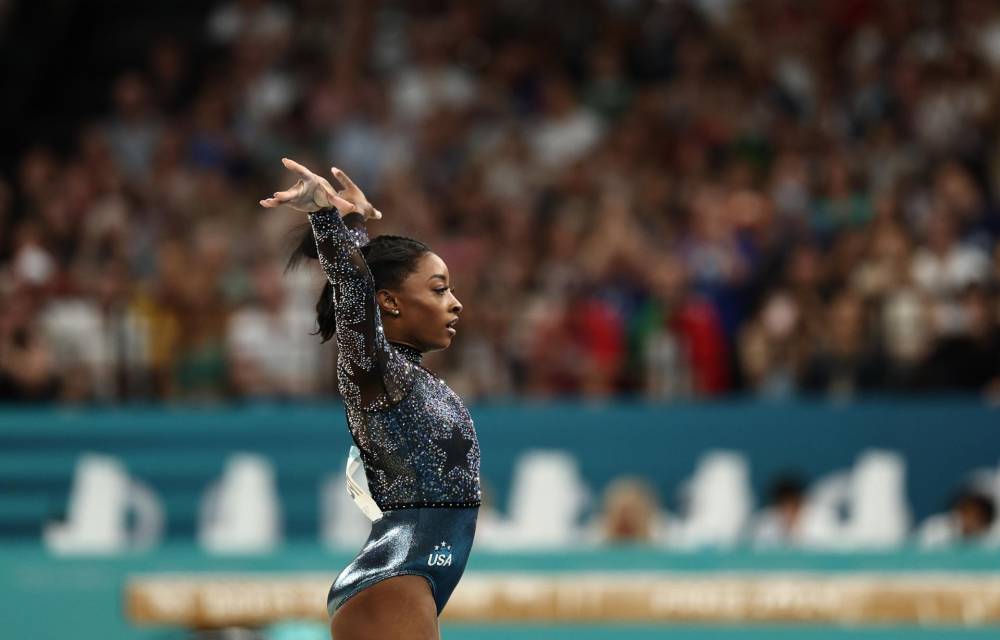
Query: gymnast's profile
[(388, 301)]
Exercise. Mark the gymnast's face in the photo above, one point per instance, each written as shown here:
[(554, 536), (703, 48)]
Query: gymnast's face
[(427, 306)]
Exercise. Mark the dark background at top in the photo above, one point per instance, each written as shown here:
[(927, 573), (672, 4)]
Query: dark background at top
[(60, 56)]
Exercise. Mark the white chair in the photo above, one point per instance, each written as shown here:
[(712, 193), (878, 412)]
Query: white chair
[(862, 508), (938, 531), (547, 497), (719, 501), (241, 513), (822, 526), (880, 517), (342, 524), (101, 497)]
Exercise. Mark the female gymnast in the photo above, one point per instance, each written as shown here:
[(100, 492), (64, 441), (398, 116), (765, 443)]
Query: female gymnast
[(388, 301)]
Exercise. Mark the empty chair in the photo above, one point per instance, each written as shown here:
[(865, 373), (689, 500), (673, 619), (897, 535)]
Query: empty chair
[(547, 496), (822, 523), (861, 508), (342, 524), (719, 501), (879, 514), (240, 513), (101, 498)]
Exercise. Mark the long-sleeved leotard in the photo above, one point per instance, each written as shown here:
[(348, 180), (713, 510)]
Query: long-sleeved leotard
[(416, 437)]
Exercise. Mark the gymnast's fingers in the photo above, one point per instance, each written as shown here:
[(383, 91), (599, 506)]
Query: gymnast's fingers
[(291, 193), (297, 168), (343, 179), (343, 206)]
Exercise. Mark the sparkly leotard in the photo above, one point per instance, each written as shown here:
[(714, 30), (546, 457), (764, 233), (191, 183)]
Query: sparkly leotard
[(416, 437)]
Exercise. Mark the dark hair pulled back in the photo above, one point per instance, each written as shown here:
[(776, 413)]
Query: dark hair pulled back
[(390, 260)]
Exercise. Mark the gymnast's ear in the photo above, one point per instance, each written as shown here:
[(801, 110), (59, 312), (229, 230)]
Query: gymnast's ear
[(387, 302)]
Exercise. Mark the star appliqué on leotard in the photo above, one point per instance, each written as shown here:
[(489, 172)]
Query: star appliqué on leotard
[(456, 450)]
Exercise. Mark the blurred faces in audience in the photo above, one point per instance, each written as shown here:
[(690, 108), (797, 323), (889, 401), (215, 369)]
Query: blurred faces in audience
[(630, 513), (621, 227)]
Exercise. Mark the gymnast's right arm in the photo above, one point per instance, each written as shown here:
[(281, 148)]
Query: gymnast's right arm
[(371, 374)]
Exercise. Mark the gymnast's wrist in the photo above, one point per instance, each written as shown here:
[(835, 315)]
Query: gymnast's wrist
[(324, 213)]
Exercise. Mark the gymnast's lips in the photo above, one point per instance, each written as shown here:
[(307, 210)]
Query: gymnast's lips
[(451, 327)]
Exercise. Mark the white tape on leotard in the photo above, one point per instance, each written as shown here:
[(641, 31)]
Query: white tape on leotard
[(361, 497)]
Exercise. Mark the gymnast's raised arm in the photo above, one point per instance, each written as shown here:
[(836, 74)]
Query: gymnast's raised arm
[(371, 374)]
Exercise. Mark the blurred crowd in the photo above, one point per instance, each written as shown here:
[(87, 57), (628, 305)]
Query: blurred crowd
[(864, 506), (670, 199), (792, 517)]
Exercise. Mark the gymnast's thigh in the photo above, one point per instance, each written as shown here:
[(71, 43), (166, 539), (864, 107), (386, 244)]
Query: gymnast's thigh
[(397, 607)]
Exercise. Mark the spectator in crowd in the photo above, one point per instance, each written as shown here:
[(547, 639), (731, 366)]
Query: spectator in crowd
[(630, 513), (780, 524), (843, 365), (969, 521), (269, 350), (968, 358), (692, 199), (27, 367), (774, 346)]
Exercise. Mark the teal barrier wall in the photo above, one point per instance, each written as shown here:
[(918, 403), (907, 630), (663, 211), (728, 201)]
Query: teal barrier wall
[(179, 451), (48, 597)]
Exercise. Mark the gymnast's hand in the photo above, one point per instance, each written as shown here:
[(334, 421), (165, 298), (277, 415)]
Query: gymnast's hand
[(312, 193), (355, 196)]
